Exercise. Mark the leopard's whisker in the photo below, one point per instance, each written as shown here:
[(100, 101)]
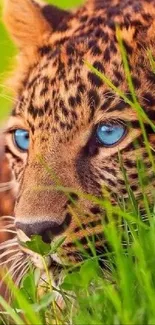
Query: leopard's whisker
[(14, 265), (9, 260), (7, 217), (15, 258), (5, 184), (12, 271), (23, 272), (6, 246), (26, 263), (8, 226), (9, 251), (17, 268), (9, 241), (7, 230)]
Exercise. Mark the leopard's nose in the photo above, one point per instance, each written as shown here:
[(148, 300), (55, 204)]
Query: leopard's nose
[(46, 229)]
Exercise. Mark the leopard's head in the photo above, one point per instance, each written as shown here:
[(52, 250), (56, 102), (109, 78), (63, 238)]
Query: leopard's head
[(69, 127)]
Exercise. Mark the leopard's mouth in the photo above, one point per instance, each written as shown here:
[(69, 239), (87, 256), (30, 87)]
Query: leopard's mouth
[(58, 260), (51, 260)]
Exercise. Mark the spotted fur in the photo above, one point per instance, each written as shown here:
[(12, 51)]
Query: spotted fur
[(60, 102)]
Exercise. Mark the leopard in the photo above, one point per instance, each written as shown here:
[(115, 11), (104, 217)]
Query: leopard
[(70, 123)]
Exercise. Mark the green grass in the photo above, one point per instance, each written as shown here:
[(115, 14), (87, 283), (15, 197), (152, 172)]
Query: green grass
[(123, 292)]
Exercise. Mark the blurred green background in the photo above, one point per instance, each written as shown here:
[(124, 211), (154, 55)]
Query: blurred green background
[(7, 52)]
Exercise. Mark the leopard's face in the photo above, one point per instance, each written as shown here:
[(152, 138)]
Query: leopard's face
[(68, 128)]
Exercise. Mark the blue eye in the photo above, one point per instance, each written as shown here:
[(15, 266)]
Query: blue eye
[(21, 138), (110, 134)]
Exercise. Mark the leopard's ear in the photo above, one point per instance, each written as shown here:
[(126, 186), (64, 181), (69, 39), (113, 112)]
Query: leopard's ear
[(30, 22)]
